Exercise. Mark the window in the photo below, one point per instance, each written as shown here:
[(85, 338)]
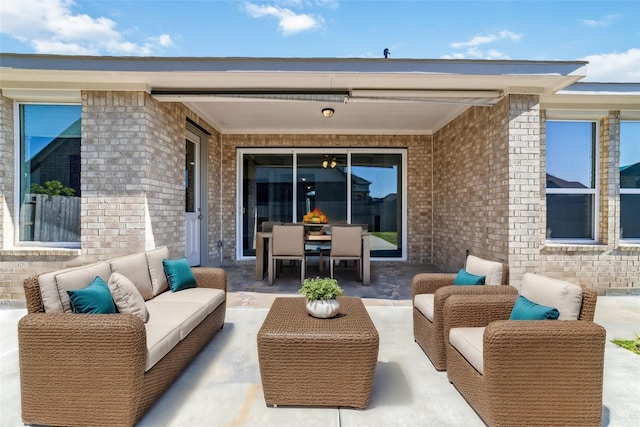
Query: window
[(571, 180), (49, 175), (630, 180), (349, 186)]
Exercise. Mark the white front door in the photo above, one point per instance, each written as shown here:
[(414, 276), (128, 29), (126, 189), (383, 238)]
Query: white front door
[(192, 193)]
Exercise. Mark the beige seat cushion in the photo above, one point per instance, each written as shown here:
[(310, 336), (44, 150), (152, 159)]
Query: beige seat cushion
[(564, 296), (70, 279), (161, 338), (135, 268), (159, 282), (492, 270), (424, 304), (176, 314), (211, 298), (468, 342)]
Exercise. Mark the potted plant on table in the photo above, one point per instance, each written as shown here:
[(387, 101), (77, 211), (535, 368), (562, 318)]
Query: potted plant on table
[(321, 294)]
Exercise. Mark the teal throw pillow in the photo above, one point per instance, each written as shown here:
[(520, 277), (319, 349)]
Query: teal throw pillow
[(179, 274), (94, 299), (465, 278), (525, 309)]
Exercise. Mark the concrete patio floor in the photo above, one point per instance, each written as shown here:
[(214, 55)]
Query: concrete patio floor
[(221, 387)]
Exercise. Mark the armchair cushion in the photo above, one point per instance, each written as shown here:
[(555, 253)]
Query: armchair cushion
[(466, 278), (424, 304), (564, 296), (468, 342), (524, 309), (492, 270), (94, 299)]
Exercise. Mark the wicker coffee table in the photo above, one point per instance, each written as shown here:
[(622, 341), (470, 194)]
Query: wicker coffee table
[(306, 361)]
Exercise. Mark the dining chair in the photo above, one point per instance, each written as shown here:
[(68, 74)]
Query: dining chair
[(286, 243), (346, 245)]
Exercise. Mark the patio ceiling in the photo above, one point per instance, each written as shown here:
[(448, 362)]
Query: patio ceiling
[(278, 95)]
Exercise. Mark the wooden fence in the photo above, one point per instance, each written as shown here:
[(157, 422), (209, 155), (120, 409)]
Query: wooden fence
[(50, 218)]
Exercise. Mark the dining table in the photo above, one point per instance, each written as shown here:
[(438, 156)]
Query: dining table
[(262, 249)]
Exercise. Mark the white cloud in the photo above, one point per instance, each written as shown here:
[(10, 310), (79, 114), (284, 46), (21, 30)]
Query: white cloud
[(472, 47), (51, 26), (288, 21), (614, 67), (490, 38), (607, 20)]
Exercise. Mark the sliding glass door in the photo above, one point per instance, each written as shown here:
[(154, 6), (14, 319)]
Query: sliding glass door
[(350, 186)]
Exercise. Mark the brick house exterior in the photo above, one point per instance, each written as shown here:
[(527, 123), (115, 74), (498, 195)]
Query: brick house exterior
[(475, 184)]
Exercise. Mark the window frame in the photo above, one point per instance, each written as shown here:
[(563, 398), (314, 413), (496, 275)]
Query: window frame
[(633, 240), (241, 151), (594, 192), (17, 133)]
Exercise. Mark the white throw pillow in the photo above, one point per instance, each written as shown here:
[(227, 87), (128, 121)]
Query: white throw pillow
[(127, 297)]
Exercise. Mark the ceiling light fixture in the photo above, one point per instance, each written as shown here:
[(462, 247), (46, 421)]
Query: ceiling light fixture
[(327, 113)]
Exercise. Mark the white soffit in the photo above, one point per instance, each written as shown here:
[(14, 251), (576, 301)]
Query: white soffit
[(369, 96)]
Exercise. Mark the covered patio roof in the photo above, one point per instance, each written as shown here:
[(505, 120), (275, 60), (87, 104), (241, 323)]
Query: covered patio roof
[(286, 95)]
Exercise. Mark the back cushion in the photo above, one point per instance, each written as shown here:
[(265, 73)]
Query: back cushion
[(492, 270), (134, 267), (156, 269), (564, 296), (76, 278)]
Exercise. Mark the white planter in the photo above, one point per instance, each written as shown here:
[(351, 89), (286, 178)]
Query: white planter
[(323, 309)]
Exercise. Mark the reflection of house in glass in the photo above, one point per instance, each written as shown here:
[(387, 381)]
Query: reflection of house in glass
[(47, 217), (568, 215), (59, 160), (630, 203)]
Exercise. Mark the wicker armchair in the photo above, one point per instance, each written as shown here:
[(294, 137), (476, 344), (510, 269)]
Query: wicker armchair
[(532, 373), (431, 290)]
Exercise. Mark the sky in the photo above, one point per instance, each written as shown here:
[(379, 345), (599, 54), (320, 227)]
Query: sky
[(605, 33)]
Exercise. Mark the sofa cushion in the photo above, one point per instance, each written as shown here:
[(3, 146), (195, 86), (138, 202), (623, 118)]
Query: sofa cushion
[(161, 338), (179, 274), (78, 278), (468, 342), (176, 315), (524, 309), (186, 315), (135, 268), (465, 278), (127, 297), (424, 304), (492, 270), (564, 296), (211, 298), (94, 299), (159, 282)]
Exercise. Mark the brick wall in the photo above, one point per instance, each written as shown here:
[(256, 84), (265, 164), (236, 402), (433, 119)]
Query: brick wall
[(471, 187), (418, 181), (132, 184)]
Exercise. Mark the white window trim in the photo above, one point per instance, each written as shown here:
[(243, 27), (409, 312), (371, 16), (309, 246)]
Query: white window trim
[(16, 182), (240, 152), (595, 207)]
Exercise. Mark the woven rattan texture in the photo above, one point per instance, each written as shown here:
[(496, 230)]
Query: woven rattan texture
[(87, 369), (32, 295), (306, 361), (430, 335), (536, 373)]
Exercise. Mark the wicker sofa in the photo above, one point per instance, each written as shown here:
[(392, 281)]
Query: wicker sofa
[(431, 290), (528, 372), (109, 369)]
